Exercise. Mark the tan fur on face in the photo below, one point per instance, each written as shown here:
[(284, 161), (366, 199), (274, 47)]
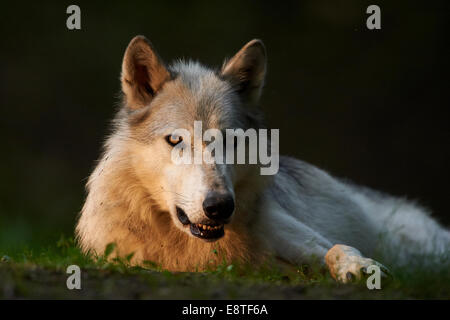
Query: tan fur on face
[(119, 209)]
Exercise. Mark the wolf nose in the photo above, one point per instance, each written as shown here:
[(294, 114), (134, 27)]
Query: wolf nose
[(218, 206)]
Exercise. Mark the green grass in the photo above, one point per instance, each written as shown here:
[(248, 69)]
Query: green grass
[(41, 273)]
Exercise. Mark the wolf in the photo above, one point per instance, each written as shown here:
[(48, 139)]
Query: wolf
[(187, 217)]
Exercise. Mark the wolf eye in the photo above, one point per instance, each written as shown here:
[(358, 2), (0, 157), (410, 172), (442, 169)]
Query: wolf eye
[(173, 140)]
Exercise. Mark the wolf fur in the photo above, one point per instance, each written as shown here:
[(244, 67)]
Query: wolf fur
[(297, 215)]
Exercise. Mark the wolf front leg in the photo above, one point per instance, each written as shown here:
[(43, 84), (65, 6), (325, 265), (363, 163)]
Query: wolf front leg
[(290, 239), (347, 263), (295, 242)]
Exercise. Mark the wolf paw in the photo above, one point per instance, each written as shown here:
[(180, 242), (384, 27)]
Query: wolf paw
[(346, 264)]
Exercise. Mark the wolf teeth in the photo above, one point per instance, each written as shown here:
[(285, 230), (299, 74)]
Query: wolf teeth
[(207, 227)]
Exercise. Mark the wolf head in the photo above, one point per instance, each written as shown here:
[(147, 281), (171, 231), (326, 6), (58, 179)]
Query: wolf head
[(161, 99)]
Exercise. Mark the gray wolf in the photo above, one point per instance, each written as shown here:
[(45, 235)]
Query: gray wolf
[(181, 216)]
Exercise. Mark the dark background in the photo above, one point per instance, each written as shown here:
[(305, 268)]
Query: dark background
[(371, 106)]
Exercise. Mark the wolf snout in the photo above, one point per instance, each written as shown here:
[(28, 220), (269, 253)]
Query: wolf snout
[(218, 207)]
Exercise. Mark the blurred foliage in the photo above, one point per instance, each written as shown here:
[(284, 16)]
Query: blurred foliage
[(42, 274)]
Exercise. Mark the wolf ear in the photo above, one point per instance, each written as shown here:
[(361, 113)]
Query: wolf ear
[(143, 73), (247, 69)]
